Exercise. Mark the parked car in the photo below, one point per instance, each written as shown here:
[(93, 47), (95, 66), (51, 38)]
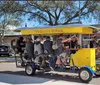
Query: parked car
[(4, 50)]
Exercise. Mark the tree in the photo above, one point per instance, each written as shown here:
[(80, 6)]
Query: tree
[(5, 22), (56, 12), (51, 12), (97, 12), (7, 18)]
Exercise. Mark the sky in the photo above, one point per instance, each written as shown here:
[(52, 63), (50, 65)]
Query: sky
[(33, 24), (87, 21)]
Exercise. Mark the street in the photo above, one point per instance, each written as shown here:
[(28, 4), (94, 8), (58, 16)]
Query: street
[(10, 75)]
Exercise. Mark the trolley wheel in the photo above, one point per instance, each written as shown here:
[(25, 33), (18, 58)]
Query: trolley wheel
[(97, 73), (85, 75), (29, 70)]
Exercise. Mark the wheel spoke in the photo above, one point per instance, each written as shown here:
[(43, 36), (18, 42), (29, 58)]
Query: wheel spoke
[(84, 75), (29, 70)]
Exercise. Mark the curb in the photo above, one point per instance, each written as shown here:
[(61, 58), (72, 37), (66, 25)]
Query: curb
[(7, 62)]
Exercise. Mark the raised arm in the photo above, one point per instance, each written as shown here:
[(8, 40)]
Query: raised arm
[(65, 40)]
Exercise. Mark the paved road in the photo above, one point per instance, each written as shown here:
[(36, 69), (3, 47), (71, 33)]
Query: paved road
[(10, 75)]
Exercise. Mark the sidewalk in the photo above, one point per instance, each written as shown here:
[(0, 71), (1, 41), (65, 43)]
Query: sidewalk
[(7, 59)]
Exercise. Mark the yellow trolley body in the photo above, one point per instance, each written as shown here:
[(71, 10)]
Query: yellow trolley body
[(84, 58)]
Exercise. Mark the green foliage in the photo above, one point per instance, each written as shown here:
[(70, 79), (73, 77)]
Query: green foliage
[(8, 16), (58, 12), (50, 12)]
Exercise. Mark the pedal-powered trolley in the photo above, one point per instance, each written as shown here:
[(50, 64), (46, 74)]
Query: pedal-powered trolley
[(82, 62)]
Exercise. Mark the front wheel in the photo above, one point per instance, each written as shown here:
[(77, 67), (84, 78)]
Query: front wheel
[(85, 75), (29, 70)]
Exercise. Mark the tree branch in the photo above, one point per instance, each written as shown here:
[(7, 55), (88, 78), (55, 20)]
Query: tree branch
[(33, 14), (41, 9), (60, 12), (76, 14), (50, 20), (57, 16)]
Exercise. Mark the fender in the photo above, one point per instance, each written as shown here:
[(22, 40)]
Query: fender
[(33, 65), (90, 69)]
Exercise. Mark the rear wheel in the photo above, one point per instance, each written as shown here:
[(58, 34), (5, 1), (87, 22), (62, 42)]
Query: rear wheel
[(85, 75), (8, 55), (29, 70), (97, 73)]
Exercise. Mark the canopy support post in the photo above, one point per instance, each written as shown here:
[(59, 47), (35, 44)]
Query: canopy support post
[(80, 40)]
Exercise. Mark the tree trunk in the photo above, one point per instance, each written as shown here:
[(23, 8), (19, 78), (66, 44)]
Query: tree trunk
[(2, 38)]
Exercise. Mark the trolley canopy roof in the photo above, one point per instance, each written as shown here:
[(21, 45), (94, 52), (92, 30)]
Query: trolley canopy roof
[(59, 29)]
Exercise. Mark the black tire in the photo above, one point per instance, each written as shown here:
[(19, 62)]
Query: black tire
[(97, 73), (29, 70), (85, 75), (8, 55)]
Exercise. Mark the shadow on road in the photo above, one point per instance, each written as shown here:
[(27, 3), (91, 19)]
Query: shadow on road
[(41, 75)]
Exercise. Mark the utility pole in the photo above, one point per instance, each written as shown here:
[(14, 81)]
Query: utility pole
[(79, 11), (80, 35)]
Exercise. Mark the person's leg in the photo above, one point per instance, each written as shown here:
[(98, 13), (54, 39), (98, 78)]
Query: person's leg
[(21, 56), (62, 58), (68, 54), (53, 61), (20, 52), (97, 53), (65, 57), (58, 62), (37, 60), (43, 64), (40, 59)]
